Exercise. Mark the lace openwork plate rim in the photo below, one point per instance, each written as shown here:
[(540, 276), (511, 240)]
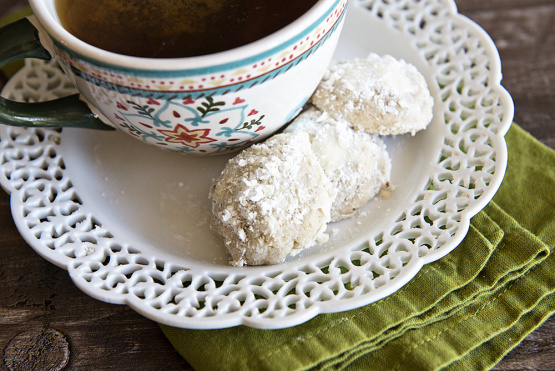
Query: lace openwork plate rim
[(469, 168)]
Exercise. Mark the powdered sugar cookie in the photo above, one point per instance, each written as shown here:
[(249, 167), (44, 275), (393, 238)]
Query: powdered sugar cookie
[(357, 163), (271, 200), (380, 95)]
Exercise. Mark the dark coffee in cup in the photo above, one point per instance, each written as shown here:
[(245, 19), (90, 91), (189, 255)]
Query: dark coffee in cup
[(175, 28)]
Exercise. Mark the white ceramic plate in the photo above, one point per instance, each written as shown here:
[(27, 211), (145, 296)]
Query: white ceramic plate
[(131, 223)]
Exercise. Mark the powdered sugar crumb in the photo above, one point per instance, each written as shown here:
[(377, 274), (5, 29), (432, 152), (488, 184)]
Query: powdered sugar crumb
[(379, 94), (272, 200), (276, 198)]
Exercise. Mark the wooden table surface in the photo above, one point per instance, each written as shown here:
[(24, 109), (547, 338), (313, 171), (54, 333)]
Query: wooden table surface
[(40, 305)]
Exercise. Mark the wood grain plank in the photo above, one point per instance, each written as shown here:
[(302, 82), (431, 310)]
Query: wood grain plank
[(533, 353), (466, 6), (524, 33), (37, 295)]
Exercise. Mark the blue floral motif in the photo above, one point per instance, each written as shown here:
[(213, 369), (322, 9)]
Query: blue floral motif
[(226, 132), (182, 149), (238, 122), (228, 147), (195, 121)]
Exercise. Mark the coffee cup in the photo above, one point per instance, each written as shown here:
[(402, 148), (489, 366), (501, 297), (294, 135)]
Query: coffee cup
[(199, 105)]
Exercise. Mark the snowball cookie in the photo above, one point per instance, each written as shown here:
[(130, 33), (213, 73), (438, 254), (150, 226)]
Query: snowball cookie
[(357, 163), (380, 95), (271, 200)]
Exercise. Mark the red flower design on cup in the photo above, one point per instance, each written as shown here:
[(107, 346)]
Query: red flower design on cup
[(190, 138)]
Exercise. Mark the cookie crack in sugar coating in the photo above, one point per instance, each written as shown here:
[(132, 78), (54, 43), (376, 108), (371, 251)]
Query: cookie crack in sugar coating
[(272, 200), (357, 163)]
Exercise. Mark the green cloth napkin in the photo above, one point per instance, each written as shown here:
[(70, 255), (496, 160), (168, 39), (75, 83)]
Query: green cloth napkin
[(462, 312)]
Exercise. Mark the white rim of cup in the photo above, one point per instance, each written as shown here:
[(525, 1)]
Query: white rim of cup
[(56, 31)]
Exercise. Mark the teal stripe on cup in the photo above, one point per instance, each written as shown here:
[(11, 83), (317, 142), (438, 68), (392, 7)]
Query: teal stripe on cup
[(127, 70), (155, 94)]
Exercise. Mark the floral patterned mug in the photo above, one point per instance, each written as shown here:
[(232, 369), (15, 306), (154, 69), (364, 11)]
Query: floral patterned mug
[(201, 105)]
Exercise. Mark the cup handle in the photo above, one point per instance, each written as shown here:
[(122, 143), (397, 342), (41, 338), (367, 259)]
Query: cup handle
[(20, 40)]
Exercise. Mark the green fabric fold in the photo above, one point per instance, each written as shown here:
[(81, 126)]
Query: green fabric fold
[(462, 312)]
